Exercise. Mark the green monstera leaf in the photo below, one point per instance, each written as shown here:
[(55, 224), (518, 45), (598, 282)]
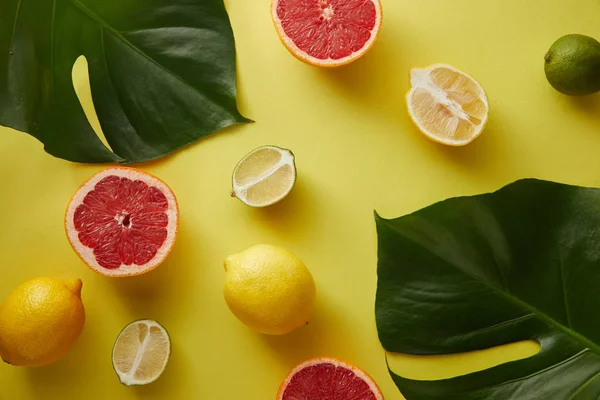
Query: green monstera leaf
[(162, 74), (475, 272)]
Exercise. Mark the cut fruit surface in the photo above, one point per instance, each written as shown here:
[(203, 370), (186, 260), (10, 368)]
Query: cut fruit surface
[(265, 176), (328, 379), (327, 33), (447, 105), (141, 352), (122, 222)]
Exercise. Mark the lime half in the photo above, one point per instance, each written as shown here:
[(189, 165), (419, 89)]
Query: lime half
[(265, 176), (141, 352)]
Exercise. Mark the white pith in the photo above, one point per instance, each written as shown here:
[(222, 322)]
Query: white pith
[(287, 158), (339, 363), (420, 78), (128, 378), (329, 62), (87, 253), (327, 12)]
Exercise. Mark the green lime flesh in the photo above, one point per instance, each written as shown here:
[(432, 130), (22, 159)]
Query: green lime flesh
[(572, 65)]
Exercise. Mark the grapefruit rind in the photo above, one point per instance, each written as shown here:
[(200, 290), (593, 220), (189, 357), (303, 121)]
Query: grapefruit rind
[(86, 254), (420, 79), (328, 63), (338, 363)]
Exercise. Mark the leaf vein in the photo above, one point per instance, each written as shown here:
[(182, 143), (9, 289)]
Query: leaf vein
[(110, 78), (585, 384), (117, 34), (509, 321), (509, 296), (562, 278), (14, 28), (550, 368)]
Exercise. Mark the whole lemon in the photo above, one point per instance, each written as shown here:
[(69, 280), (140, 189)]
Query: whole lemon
[(40, 321), (269, 289)]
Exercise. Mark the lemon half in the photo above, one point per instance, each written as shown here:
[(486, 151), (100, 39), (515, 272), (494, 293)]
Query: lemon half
[(447, 105)]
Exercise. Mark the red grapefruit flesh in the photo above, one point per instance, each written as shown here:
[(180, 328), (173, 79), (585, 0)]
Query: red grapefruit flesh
[(122, 222), (327, 33), (328, 379)]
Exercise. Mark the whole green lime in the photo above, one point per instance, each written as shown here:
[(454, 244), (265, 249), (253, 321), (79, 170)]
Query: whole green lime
[(573, 65)]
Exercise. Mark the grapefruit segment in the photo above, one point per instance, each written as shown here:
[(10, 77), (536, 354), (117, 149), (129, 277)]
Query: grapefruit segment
[(328, 379), (327, 33), (122, 222)]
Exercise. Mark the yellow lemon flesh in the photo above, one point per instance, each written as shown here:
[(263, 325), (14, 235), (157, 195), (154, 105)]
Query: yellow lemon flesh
[(40, 321), (269, 289), (447, 105)]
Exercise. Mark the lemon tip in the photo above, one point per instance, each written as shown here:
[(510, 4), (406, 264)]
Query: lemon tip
[(74, 286), (227, 262)]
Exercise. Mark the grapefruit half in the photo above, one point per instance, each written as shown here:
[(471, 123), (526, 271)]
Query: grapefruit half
[(328, 379), (327, 33), (122, 222)]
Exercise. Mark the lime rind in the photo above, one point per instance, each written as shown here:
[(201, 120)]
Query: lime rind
[(572, 65)]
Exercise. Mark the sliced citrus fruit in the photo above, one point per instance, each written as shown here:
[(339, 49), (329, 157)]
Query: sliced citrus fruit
[(141, 352), (447, 105), (122, 222), (328, 379), (265, 176), (327, 33)]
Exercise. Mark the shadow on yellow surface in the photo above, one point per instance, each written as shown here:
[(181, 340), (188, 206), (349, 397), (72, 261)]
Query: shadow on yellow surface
[(177, 371), (292, 215), (362, 84), (309, 341), (476, 155), (147, 296), (70, 371), (586, 105), (43, 380)]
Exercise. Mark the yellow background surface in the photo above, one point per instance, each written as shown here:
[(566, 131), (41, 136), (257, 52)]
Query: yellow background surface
[(356, 151)]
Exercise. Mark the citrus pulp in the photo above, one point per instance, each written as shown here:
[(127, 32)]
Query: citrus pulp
[(141, 352), (447, 105), (328, 379), (122, 222), (327, 33), (265, 176)]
